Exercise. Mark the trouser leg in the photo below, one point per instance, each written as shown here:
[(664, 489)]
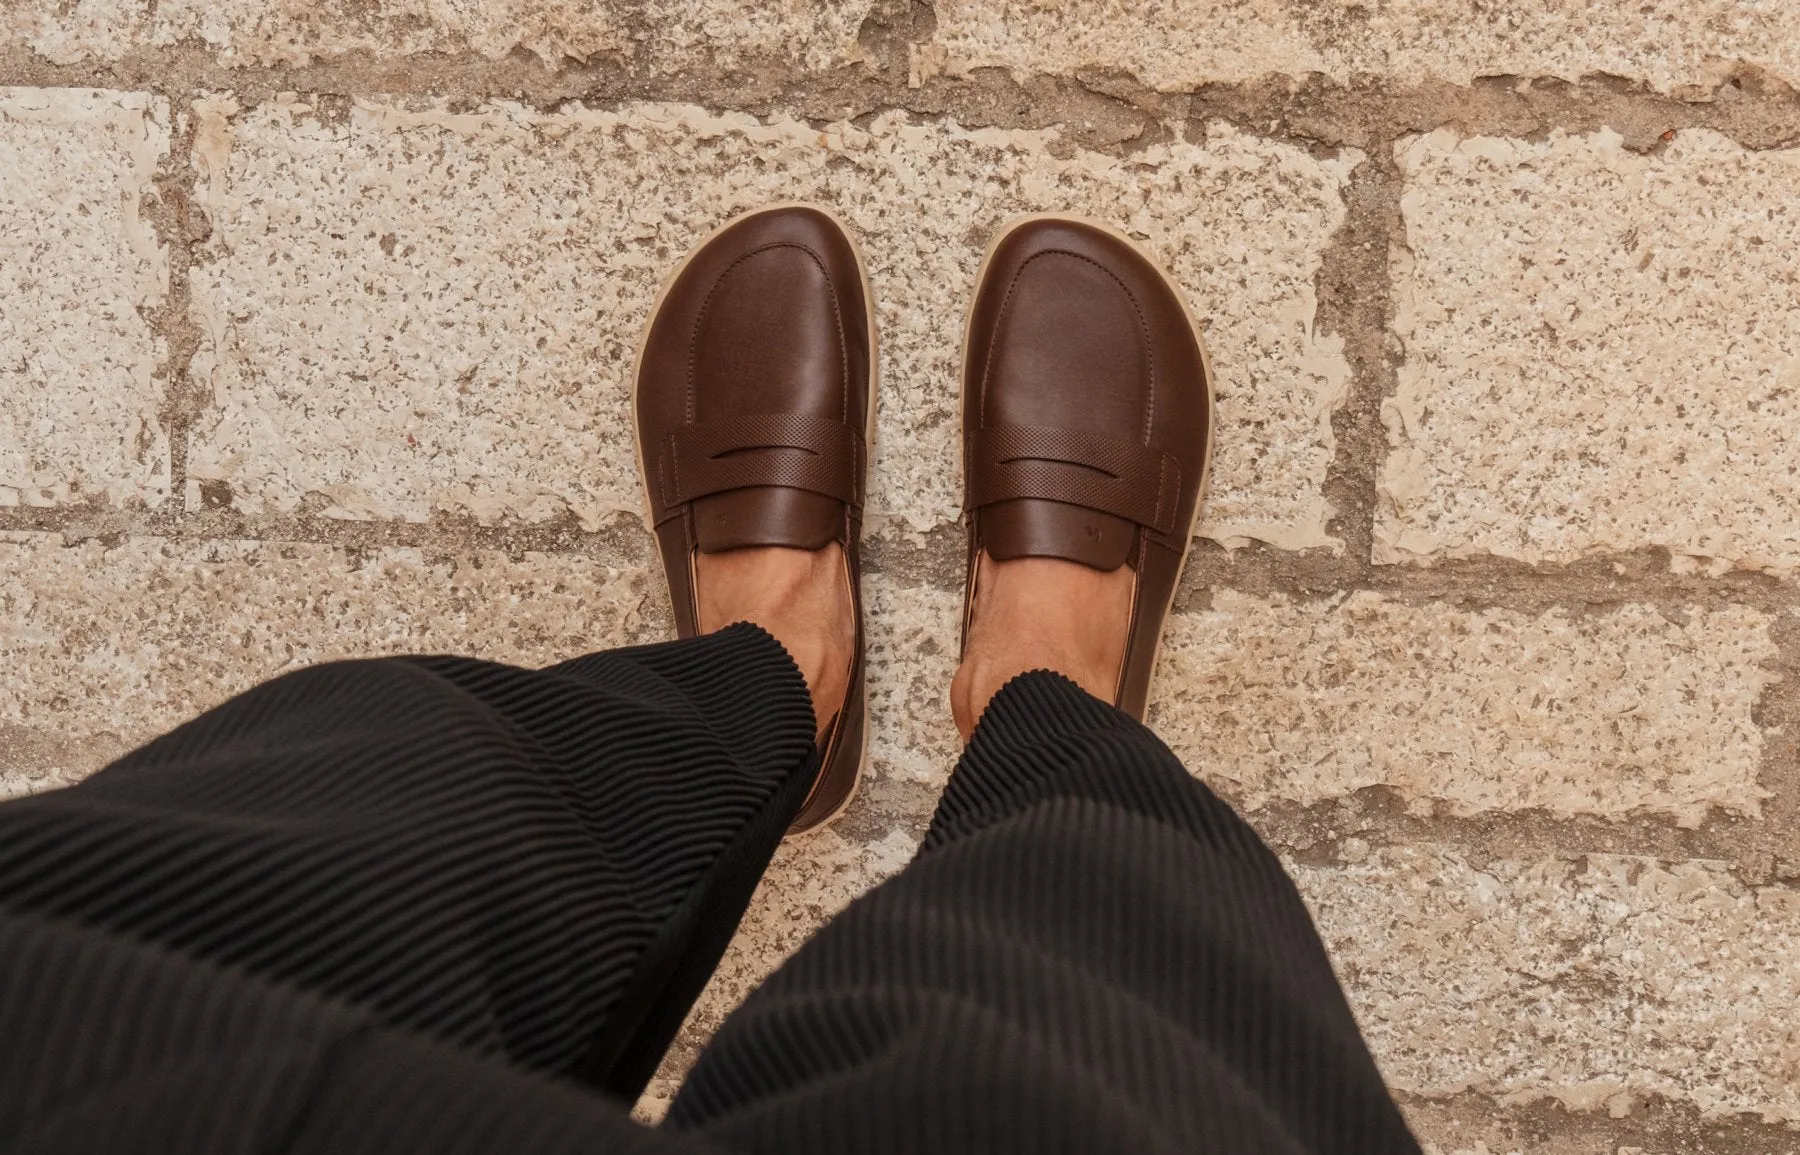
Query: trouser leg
[(539, 866), (1091, 952), (109, 1044)]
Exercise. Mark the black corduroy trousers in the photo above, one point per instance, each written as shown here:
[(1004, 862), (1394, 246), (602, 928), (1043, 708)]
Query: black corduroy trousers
[(444, 906)]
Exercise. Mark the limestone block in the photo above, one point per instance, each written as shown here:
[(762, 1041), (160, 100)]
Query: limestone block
[(70, 31), (108, 646), (1679, 46), (1602, 352), (412, 309), (657, 36), (1598, 981), (1628, 712), (81, 270), (1632, 711)]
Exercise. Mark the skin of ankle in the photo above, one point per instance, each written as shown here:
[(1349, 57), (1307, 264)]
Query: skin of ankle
[(1042, 614), (802, 597)]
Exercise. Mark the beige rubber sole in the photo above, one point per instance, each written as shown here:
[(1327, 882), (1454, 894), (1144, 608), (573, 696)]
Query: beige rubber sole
[(981, 272), (862, 267)]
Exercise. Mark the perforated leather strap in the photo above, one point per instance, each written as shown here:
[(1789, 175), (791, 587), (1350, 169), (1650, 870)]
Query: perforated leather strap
[(1122, 478), (791, 450)]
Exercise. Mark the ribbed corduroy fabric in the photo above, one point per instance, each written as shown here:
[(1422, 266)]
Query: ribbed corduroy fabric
[(423, 905), (524, 863)]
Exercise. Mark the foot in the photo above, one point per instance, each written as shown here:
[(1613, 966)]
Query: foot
[(1041, 613), (1087, 421), (800, 596), (755, 384)]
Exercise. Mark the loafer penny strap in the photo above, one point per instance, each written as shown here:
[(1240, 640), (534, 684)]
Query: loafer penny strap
[(790, 450), (1123, 478)]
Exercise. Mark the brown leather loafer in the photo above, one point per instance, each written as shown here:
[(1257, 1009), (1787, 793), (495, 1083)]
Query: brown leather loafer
[(1087, 419), (755, 408)]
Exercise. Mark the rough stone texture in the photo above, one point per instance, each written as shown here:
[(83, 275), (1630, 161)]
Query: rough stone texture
[(1477, 1124), (661, 35), (1467, 711), (106, 647), (1632, 711), (418, 310), (1602, 352), (1671, 45), (80, 270), (914, 640), (1596, 981)]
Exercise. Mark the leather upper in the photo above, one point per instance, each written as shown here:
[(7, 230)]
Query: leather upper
[(1086, 417), (753, 403), (753, 391), (765, 321)]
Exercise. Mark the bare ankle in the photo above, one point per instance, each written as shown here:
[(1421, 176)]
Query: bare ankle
[(802, 597), (1042, 614)]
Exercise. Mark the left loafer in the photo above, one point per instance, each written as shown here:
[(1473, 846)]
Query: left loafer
[(755, 402)]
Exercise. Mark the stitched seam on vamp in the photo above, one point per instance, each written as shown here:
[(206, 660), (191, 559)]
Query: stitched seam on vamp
[(1143, 324), (837, 318)]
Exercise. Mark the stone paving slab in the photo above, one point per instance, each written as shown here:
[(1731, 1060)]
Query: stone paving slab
[(1628, 712), (1633, 711), (662, 36), (107, 646), (1681, 46), (1677, 46), (915, 637), (1612, 713), (1478, 1125), (1602, 352), (81, 269), (1595, 981), (410, 309)]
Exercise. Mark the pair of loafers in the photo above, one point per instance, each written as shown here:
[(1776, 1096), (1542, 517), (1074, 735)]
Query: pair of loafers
[(1087, 420)]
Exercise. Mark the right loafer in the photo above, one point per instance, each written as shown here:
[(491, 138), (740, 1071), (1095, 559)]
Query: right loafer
[(755, 408), (1087, 419)]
